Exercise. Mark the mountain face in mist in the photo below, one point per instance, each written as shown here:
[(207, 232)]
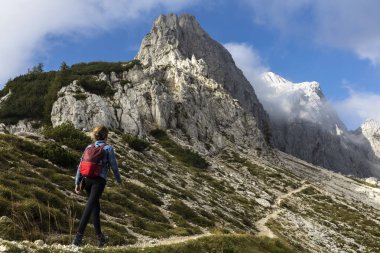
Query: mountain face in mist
[(305, 125)]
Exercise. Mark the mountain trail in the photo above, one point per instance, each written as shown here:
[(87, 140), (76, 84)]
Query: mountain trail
[(168, 241), (260, 224)]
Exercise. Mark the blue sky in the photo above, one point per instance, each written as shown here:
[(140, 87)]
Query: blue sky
[(336, 43)]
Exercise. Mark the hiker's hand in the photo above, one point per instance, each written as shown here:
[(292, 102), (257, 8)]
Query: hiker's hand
[(77, 189)]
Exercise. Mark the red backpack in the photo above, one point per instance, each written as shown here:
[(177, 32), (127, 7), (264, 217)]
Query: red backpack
[(91, 164)]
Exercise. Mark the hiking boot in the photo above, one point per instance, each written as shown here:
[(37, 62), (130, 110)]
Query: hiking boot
[(102, 239), (78, 239)]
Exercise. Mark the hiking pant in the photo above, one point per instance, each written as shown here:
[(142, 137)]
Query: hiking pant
[(94, 188)]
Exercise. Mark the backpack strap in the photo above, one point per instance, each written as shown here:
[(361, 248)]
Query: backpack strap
[(102, 147)]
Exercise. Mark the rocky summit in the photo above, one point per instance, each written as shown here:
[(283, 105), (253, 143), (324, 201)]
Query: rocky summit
[(174, 39), (186, 81), (197, 154)]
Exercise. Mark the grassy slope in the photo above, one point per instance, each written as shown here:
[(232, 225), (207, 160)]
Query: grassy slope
[(166, 195), (163, 196)]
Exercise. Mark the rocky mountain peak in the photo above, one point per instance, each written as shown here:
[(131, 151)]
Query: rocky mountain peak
[(176, 38), (310, 89), (371, 131), (370, 125), (304, 101)]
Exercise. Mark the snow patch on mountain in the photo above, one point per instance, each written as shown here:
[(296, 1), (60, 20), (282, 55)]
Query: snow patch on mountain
[(285, 100)]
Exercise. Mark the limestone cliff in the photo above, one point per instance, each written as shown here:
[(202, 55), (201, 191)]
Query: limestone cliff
[(174, 39)]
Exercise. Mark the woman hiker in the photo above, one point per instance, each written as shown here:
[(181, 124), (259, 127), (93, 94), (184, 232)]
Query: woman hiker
[(92, 176)]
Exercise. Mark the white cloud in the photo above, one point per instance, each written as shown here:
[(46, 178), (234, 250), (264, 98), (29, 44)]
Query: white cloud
[(26, 25), (358, 107), (350, 25), (282, 99), (247, 59)]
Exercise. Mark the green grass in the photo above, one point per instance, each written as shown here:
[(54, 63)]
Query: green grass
[(189, 214), (67, 134), (184, 155), (215, 243), (135, 142)]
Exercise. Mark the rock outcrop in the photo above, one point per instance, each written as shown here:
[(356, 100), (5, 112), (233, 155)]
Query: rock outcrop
[(187, 82)]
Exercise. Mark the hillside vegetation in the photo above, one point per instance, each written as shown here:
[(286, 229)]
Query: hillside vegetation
[(33, 94), (165, 194)]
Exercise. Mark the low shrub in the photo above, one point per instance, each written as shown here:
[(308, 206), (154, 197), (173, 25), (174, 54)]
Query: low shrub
[(60, 156), (184, 155), (80, 96), (144, 193), (67, 134), (187, 213), (95, 68), (100, 88), (136, 143)]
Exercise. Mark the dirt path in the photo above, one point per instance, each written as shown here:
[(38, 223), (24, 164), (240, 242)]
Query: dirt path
[(260, 224), (263, 229), (168, 241)]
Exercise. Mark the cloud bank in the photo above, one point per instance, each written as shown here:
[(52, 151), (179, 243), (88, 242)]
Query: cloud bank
[(289, 102), (27, 25), (349, 25), (358, 107), (279, 105)]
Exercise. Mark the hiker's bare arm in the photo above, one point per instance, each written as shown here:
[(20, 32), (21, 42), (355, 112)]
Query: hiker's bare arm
[(77, 189)]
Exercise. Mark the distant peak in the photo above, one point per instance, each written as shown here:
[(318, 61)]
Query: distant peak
[(370, 123), (278, 81), (274, 78)]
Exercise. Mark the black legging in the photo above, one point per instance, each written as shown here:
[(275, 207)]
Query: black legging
[(94, 189)]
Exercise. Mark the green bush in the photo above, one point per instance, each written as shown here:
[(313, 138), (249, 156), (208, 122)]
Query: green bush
[(187, 213), (26, 101), (21, 144), (67, 134), (34, 94), (144, 193), (100, 88), (95, 68), (184, 155), (136, 143), (58, 155), (80, 96)]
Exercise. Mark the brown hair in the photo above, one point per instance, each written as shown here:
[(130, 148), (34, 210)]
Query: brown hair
[(99, 133)]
